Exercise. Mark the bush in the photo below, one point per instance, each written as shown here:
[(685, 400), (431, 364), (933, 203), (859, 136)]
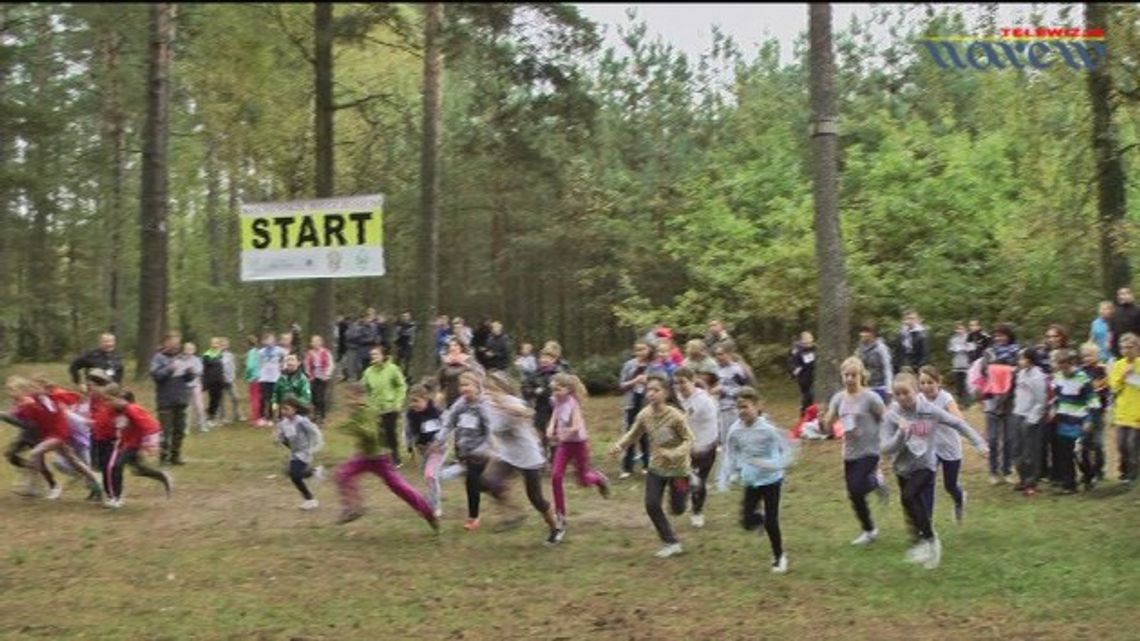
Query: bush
[(600, 373)]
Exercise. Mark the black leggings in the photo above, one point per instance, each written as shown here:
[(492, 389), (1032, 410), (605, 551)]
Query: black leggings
[(752, 520), (388, 434), (131, 457), (266, 400), (474, 485), (16, 447), (914, 490), (495, 484), (298, 472), (702, 465), (861, 481), (320, 397), (643, 442), (655, 486), (214, 392), (101, 451)]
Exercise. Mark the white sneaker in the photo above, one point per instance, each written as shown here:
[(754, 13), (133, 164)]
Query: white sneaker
[(54, 493), (697, 520), (919, 553), (438, 512), (110, 503), (311, 504), (671, 549), (780, 565), (866, 537), (935, 555), (624, 475), (996, 480)]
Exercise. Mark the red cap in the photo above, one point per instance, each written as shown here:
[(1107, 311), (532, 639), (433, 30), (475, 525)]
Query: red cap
[(664, 332)]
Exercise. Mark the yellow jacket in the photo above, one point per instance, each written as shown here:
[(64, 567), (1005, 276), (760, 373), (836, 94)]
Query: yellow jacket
[(1126, 387)]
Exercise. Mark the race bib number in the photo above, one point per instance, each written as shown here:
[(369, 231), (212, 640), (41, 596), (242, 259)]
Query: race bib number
[(432, 426), (469, 422), (1133, 379), (120, 422), (917, 446), (849, 423), (809, 358)]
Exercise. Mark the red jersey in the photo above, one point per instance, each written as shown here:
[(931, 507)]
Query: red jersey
[(65, 397), (47, 415), (140, 424), (102, 420)]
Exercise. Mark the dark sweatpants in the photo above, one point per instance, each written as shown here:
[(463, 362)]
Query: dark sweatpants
[(914, 490), (861, 481), (131, 457), (173, 420), (751, 519), (702, 465), (655, 486)]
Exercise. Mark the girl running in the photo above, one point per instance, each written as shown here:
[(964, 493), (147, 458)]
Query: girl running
[(669, 463), (35, 406), (911, 424), (860, 411), (701, 411), (138, 434), (730, 377), (422, 425), (520, 451), (472, 446), (947, 443), (303, 438), (758, 452), (370, 457), (567, 428)]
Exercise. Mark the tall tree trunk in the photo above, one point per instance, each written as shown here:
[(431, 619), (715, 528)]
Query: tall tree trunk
[(214, 214), (834, 304), (324, 296), (42, 248), (115, 141), (153, 200), (1111, 197), (7, 274), (428, 305)]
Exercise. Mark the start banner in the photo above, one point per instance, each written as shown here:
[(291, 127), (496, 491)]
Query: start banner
[(327, 238)]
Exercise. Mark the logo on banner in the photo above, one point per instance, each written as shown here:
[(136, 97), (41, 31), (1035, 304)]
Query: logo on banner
[(1020, 48)]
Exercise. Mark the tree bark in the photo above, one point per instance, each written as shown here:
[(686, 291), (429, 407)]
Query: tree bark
[(429, 186), (115, 140), (324, 296), (214, 214), (1112, 205), (834, 303), (153, 201)]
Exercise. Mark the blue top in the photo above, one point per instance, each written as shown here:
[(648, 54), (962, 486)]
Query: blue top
[(758, 452), (1101, 333)]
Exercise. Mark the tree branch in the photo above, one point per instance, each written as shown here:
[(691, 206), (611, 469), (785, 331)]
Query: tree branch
[(275, 12), (361, 101)]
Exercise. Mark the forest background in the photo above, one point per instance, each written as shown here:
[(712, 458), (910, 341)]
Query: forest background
[(586, 193)]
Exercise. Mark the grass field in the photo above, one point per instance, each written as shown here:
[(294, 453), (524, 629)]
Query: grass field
[(230, 557)]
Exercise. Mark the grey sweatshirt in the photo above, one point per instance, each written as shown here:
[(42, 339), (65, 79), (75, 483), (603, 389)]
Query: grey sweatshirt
[(862, 417), (301, 436), (876, 358), (947, 443), (1030, 394), (517, 440), (959, 348), (915, 451), (470, 425)]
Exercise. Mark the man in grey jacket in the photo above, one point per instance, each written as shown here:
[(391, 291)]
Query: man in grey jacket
[(171, 376)]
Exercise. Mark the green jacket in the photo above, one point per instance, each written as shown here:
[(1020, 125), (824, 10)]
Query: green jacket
[(386, 387), (295, 384), (361, 427)]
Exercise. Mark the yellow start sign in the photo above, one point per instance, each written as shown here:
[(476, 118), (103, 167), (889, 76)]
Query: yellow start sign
[(328, 238)]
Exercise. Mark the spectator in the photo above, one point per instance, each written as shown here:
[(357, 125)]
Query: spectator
[(914, 351), (101, 358), (1125, 319)]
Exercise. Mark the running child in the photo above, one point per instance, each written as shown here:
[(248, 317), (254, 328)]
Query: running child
[(422, 425), (669, 462), (632, 385), (947, 443), (35, 406), (519, 452), (567, 428), (370, 457), (137, 434), (701, 411), (911, 424), (303, 438), (473, 447), (860, 410), (730, 377), (758, 453)]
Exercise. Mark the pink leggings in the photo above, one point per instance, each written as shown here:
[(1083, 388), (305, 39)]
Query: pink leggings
[(579, 452), (380, 466), (433, 460)]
